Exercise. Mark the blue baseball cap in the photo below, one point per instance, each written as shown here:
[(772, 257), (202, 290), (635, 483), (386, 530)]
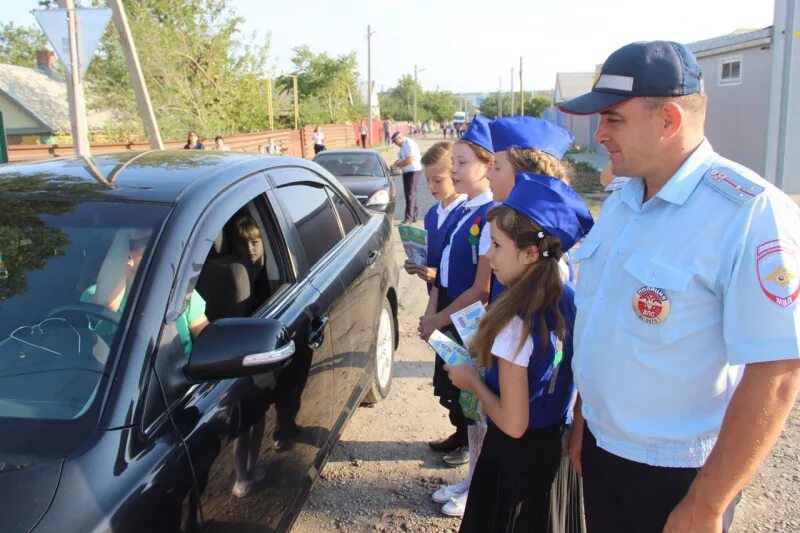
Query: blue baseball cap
[(553, 205), (530, 132), (648, 68), (478, 133)]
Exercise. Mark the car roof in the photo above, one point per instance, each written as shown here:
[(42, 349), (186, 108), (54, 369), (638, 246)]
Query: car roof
[(154, 176), (352, 151)]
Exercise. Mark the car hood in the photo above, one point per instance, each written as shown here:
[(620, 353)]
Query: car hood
[(364, 185), (26, 494)]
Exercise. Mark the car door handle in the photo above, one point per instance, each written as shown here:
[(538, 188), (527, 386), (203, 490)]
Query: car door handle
[(373, 256), (317, 336)]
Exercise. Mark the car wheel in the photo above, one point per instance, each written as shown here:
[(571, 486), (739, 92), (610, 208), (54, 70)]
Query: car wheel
[(383, 356)]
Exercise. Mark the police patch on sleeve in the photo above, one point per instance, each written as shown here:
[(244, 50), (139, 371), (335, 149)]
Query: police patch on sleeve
[(778, 271)]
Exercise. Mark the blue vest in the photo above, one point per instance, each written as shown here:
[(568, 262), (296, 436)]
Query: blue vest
[(436, 236), (463, 255), (550, 385)]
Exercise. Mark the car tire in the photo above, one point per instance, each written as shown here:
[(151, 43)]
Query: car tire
[(383, 356)]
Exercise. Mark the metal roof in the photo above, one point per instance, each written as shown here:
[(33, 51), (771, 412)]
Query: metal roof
[(570, 85), (737, 39), (43, 97)]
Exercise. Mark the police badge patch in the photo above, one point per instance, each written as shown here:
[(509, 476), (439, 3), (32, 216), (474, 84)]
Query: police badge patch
[(651, 305), (778, 271)]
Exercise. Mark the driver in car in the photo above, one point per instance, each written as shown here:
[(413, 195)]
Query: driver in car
[(114, 280)]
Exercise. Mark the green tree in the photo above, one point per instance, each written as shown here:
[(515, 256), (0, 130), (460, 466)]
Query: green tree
[(440, 105), (200, 72), (19, 44), (398, 102), (534, 105), (327, 86)]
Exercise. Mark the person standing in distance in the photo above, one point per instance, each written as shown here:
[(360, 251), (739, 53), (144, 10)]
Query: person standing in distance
[(362, 131), (409, 163), (318, 139), (687, 360)]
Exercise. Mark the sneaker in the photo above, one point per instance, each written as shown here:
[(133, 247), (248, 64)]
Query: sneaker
[(456, 505), (457, 457), (448, 444), (242, 488), (444, 494)]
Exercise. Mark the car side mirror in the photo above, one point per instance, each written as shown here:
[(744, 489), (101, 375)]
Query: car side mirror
[(397, 172), (235, 347)]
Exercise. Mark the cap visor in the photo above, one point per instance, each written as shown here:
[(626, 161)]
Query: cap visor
[(593, 102)]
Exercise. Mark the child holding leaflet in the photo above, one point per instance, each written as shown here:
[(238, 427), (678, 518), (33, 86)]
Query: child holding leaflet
[(524, 344)]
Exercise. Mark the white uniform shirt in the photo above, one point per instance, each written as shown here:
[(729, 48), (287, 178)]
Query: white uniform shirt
[(442, 212), (485, 238), (318, 137), (408, 148), (673, 296), (507, 341)]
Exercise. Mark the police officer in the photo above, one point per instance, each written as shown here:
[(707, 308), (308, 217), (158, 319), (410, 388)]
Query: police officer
[(687, 359)]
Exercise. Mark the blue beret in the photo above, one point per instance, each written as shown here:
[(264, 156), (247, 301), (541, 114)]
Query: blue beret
[(553, 205), (530, 132), (478, 133)]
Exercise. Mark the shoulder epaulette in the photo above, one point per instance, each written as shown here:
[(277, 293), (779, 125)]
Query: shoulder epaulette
[(731, 184), (617, 184)]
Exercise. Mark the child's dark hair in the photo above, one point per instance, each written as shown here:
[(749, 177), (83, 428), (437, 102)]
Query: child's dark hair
[(539, 162), (537, 291)]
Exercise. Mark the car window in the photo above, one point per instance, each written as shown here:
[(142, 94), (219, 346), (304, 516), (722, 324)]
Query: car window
[(67, 271), (311, 211), (368, 164), (346, 216)]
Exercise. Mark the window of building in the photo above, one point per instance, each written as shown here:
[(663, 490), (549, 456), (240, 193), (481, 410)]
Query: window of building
[(312, 213), (730, 71)]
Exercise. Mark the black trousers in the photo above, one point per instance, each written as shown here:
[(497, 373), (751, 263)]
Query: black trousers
[(410, 191), (443, 388), (363, 140), (510, 489), (623, 496)]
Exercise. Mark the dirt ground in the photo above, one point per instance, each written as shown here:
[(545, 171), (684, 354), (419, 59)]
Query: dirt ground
[(381, 474)]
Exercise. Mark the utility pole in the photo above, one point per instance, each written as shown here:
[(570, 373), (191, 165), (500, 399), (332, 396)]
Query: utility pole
[(415, 94), (521, 92), (143, 102), (77, 107), (512, 91), (369, 84), (296, 111), (499, 97), (269, 103)]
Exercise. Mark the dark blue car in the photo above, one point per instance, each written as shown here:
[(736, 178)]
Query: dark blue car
[(183, 337)]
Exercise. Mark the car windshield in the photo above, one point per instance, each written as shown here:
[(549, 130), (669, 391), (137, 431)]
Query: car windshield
[(66, 272), (351, 164)]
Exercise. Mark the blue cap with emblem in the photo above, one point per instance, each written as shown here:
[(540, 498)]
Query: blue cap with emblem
[(478, 133), (648, 68), (530, 132), (553, 205)]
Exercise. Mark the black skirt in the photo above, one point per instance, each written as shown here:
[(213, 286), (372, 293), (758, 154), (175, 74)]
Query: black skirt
[(510, 490)]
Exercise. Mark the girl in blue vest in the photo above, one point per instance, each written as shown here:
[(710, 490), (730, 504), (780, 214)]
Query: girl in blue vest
[(462, 279), (525, 345), (437, 164)]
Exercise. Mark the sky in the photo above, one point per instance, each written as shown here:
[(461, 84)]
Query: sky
[(471, 46)]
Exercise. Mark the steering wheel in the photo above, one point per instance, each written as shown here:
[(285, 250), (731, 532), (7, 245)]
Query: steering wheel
[(87, 308)]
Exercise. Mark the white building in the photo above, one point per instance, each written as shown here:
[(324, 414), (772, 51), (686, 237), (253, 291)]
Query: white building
[(570, 85)]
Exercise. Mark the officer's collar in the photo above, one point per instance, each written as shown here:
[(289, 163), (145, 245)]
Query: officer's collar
[(680, 186)]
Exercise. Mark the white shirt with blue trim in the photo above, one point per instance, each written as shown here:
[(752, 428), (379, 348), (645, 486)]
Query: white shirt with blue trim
[(673, 296)]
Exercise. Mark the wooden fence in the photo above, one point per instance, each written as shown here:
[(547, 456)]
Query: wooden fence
[(297, 143)]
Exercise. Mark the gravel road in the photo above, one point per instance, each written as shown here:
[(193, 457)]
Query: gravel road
[(381, 474)]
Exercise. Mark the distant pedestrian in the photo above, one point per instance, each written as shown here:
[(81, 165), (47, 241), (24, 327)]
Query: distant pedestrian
[(409, 163), (363, 132), (318, 138), (193, 142), (219, 144), (273, 148), (387, 131)]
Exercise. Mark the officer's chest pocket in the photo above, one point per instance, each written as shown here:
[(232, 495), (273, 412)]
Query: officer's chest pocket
[(657, 310)]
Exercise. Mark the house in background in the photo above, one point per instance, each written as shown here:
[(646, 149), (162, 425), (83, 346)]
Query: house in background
[(34, 102), (570, 85), (737, 73)]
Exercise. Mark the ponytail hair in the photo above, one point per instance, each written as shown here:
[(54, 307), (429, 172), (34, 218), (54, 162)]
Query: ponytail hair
[(539, 162), (537, 291)]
